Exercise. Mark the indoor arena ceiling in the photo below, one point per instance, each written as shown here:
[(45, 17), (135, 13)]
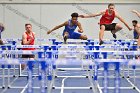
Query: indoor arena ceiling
[(69, 1)]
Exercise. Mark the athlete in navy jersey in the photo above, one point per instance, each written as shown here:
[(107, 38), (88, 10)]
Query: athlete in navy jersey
[(70, 27)]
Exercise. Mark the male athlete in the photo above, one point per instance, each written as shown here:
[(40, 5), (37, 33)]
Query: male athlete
[(137, 26), (28, 38), (70, 27), (106, 22)]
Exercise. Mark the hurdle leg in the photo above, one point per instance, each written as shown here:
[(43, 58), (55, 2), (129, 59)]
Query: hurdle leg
[(123, 70), (43, 84), (49, 78), (49, 86), (30, 80), (123, 66), (95, 72), (3, 76), (117, 79), (128, 75), (14, 70), (54, 71), (9, 67), (105, 82), (20, 70), (92, 83), (43, 77), (134, 73), (14, 66)]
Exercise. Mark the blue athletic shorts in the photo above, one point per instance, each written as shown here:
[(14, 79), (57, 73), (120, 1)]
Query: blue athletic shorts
[(74, 35), (136, 36)]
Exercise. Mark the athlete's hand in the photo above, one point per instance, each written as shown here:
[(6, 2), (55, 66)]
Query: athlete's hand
[(130, 28), (49, 32), (134, 11), (80, 31), (31, 39), (82, 16)]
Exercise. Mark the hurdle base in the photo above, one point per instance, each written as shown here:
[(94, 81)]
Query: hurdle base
[(53, 87), (3, 87), (9, 87), (134, 88), (56, 76), (14, 75), (90, 88)]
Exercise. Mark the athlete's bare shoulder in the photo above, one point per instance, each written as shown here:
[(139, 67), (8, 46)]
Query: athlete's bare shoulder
[(103, 12)]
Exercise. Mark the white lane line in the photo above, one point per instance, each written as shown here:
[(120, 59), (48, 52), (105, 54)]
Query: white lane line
[(62, 87), (10, 84), (24, 89)]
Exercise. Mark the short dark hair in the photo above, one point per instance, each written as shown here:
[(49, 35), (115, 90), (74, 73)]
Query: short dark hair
[(28, 24), (74, 15), (135, 21), (111, 4)]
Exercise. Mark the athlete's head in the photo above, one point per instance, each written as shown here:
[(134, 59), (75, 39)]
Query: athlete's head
[(134, 22), (28, 27), (74, 17), (111, 7)]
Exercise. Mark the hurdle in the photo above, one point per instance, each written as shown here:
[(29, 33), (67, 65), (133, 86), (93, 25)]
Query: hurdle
[(14, 52), (106, 62), (30, 70), (117, 70), (51, 75), (117, 63), (61, 52)]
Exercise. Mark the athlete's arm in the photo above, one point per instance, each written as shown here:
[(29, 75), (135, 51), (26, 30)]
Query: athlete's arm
[(57, 27), (136, 12), (122, 20), (24, 40), (92, 15), (33, 34), (80, 27)]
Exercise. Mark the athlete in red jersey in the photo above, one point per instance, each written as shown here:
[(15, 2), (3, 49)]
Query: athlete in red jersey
[(106, 21), (28, 38)]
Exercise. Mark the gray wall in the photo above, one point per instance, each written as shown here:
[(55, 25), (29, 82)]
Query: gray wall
[(46, 16)]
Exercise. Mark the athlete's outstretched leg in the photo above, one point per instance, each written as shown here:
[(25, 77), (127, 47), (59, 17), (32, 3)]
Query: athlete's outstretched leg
[(84, 37), (101, 34), (66, 34), (118, 27)]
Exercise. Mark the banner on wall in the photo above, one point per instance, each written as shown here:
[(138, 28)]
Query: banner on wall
[(69, 1)]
